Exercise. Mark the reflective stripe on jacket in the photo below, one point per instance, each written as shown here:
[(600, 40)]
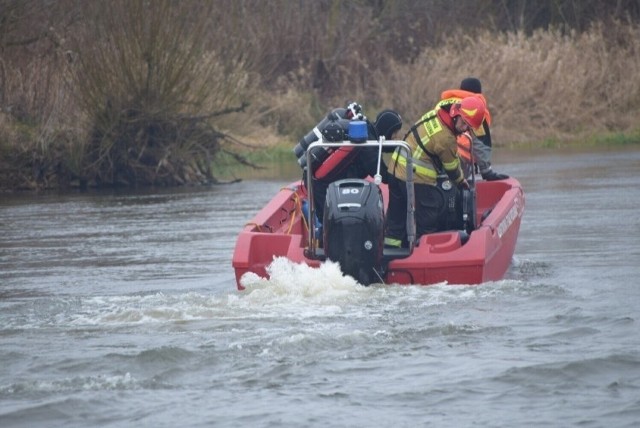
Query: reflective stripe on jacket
[(439, 141)]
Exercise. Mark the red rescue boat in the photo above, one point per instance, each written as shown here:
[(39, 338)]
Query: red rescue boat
[(281, 229)]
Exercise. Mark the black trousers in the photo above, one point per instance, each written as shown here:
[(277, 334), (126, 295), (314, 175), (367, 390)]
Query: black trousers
[(319, 195), (435, 210)]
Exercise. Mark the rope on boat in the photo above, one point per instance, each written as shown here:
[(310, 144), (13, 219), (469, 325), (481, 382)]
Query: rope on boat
[(297, 203), (297, 208), (259, 227)]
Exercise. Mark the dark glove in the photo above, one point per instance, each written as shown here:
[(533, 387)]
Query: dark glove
[(463, 185), (491, 175)]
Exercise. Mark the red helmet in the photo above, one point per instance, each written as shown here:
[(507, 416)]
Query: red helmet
[(471, 109)]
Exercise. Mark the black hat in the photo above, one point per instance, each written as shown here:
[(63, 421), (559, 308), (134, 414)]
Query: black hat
[(387, 122), (471, 84)]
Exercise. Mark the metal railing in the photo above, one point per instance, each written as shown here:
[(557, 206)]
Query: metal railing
[(313, 252)]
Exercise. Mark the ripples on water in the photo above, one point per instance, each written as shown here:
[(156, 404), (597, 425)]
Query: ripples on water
[(121, 310)]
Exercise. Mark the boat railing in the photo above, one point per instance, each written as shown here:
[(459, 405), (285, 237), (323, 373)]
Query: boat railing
[(313, 251)]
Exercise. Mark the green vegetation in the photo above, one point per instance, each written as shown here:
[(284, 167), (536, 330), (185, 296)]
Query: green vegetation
[(136, 92), (616, 139)]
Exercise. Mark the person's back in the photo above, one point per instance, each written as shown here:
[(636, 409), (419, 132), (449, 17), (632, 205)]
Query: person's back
[(387, 124), (437, 172)]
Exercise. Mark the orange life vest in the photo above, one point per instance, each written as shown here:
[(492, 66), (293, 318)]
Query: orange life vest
[(451, 96), (464, 147)]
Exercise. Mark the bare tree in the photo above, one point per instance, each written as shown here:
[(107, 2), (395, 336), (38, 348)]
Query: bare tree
[(151, 89)]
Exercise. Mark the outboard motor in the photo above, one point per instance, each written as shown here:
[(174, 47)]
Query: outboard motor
[(353, 230)]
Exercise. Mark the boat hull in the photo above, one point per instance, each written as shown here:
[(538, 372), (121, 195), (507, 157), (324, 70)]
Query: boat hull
[(280, 230)]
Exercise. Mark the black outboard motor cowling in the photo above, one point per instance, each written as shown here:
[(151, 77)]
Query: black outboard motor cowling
[(353, 229)]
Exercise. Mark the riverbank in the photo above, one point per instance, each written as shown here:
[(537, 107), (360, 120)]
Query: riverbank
[(278, 159), (101, 100)]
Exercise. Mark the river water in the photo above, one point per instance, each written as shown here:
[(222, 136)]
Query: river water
[(120, 310)]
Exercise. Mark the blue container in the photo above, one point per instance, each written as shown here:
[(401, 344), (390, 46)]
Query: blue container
[(358, 132)]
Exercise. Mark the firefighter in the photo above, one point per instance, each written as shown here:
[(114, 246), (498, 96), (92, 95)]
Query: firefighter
[(437, 174), (481, 146)]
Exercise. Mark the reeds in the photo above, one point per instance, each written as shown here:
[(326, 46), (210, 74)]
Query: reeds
[(549, 85), (133, 92)]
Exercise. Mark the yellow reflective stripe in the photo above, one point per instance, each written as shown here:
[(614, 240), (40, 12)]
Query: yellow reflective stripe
[(432, 126), (427, 172), (392, 242), (418, 169), (429, 115), (451, 165)]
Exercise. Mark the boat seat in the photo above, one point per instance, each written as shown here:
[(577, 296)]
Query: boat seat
[(395, 253)]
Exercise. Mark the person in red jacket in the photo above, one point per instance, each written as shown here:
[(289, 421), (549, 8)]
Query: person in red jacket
[(437, 171), (481, 145)]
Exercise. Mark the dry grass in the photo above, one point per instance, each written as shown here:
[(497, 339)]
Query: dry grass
[(551, 86), (539, 87)]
